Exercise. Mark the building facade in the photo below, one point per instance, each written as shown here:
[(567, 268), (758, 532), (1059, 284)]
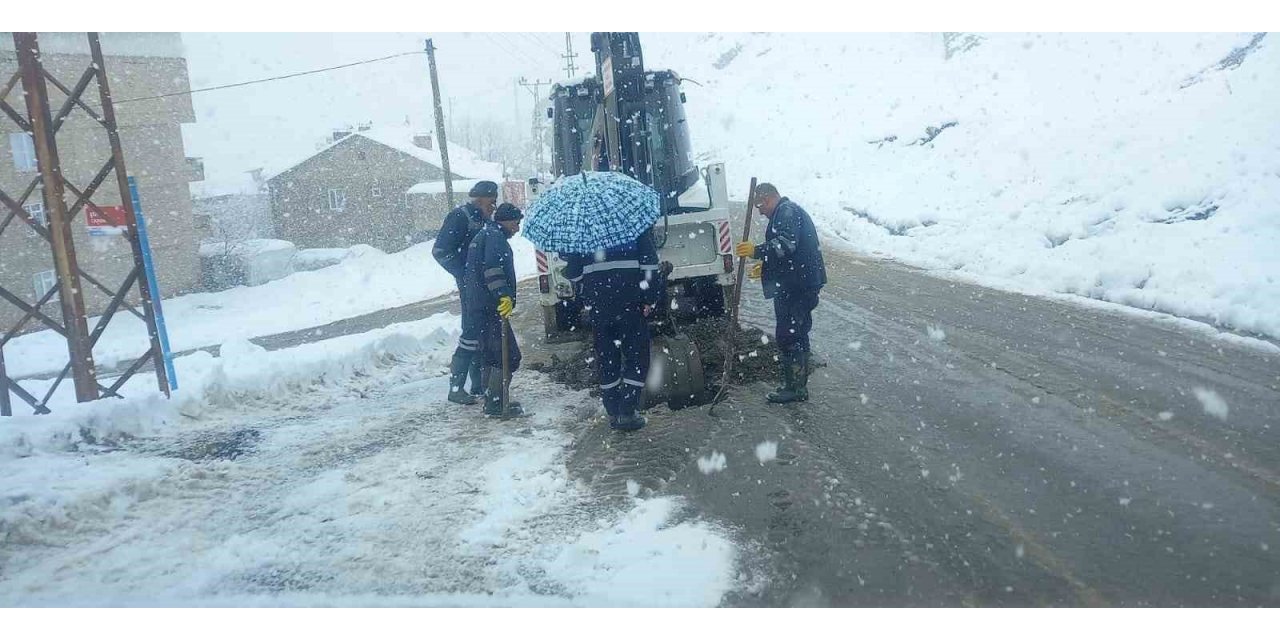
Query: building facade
[(138, 65), (357, 190)]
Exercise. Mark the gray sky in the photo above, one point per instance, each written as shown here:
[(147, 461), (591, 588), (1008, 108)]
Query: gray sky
[(240, 128)]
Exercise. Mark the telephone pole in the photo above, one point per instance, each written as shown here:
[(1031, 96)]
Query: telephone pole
[(440, 133), (569, 67), (535, 88)]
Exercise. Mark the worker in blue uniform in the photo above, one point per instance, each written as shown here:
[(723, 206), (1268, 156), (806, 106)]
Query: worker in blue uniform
[(490, 281), (793, 274), (450, 250), (620, 287)]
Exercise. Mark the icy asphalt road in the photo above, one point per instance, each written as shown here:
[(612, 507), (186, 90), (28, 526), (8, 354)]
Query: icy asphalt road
[(966, 446)]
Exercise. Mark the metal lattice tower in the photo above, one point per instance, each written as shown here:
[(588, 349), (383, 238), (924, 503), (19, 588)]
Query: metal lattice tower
[(43, 125)]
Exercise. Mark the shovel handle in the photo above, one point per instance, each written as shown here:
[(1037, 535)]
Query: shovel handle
[(506, 367)]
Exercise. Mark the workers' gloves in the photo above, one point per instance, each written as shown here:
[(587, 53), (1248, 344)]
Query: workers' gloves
[(745, 250), (505, 306), (757, 270)]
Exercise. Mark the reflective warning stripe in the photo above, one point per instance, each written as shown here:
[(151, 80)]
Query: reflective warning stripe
[(611, 265)]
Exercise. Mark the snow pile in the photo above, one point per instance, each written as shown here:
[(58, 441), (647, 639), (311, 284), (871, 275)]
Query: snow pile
[(369, 280), (359, 485), (313, 259), (245, 373), (1136, 169), (643, 560)]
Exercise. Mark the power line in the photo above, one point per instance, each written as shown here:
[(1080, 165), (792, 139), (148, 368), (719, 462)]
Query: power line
[(503, 48), (522, 47), (271, 79), (539, 43)]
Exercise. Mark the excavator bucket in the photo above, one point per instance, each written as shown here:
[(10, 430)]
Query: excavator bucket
[(675, 373)]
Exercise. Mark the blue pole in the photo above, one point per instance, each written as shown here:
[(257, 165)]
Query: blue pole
[(149, 266)]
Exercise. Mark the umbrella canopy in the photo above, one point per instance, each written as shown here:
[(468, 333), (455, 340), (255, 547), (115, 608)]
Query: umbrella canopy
[(591, 212)]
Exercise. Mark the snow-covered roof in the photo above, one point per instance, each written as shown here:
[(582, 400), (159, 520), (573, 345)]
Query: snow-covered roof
[(253, 247), (459, 186), (214, 185), (463, 162)]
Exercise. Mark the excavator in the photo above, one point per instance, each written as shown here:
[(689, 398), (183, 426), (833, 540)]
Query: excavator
[(632, 120)]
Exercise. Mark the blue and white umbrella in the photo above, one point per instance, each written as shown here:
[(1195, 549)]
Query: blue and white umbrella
[(591, 212)]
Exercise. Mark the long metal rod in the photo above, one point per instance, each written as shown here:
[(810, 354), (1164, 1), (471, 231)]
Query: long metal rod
[(506, 368), (440, 132), (130, 216), (6, 407), (73, 98), (737, 302), (64, 253), (29, 313)]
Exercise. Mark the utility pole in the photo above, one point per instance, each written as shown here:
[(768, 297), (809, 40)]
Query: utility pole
[(515, 100), (569, 67), (440, 133), (535, 88)]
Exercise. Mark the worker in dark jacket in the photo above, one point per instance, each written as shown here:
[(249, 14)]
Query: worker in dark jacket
[(450, 250), (793, 274), (490, 283), (619, 287)]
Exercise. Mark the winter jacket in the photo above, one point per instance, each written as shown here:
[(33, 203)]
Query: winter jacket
[(490, 272), (459, 228), (792, 259), (617, 279)]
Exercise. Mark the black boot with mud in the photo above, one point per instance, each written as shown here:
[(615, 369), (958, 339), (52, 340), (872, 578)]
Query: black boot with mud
[(459, 367), (493, 399)]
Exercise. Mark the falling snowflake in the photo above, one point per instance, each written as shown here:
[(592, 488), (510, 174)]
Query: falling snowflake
[(1212, 403), (712, 463), (766, 451)]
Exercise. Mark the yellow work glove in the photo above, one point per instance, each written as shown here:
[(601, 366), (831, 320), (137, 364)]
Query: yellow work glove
[(505, 306), (757, 271), (745, 250)]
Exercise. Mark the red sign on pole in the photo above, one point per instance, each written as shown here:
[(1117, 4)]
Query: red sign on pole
[(106, 221), (513, 192)]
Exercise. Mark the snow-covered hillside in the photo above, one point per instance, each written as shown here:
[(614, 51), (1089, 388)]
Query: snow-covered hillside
[(1139, 169)]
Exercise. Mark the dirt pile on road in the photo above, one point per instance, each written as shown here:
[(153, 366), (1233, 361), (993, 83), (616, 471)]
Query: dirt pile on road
[(756, 353)]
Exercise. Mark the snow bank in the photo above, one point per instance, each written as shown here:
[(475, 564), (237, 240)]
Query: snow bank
[(367, 281), (243, 373), (1134, 169)]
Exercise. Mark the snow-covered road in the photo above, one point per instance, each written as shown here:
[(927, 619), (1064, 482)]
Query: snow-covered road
[(363, 489)]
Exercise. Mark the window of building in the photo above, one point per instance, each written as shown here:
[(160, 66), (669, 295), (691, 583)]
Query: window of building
[(375, 191), (44, 282), (24, 151), (36, 211), (337, 199)]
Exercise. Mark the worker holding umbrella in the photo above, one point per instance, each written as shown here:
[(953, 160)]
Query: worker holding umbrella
[(600, 224)]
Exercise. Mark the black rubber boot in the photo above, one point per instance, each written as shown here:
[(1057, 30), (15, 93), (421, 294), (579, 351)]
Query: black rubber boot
[(477, 379), (788, 391), (628, 418), (629, 422), (493, 398), (801, 376), (458, 368)]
